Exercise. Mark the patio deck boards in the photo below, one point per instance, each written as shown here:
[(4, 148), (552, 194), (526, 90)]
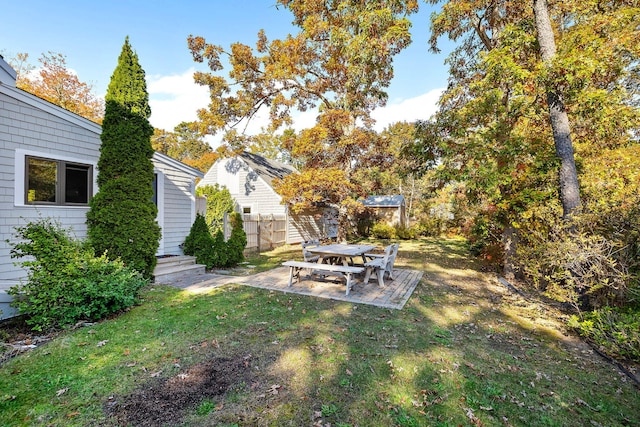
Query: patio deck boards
[(394, 295)]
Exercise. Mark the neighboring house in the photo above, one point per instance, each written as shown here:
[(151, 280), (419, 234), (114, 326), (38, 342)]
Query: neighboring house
[(249, 178), (390, 209), (48, 161)]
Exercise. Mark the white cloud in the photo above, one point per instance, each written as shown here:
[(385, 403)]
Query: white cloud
[(175, 99), (420, 107)]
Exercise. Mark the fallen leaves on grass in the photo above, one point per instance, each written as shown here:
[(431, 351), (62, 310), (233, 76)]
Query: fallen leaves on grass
[(274, 389)]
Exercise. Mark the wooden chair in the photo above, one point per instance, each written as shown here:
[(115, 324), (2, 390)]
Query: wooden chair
[(381, 264), (308, 256)]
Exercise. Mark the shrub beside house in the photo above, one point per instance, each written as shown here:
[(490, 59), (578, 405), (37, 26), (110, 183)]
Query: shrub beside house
[(43, 146)]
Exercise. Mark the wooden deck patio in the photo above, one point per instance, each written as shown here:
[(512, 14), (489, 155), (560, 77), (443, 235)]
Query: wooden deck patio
[(394, 295)]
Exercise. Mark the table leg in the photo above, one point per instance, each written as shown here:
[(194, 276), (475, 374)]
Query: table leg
[(293, 271)]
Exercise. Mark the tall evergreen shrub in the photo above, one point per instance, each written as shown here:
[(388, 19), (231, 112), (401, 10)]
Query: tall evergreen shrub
[(122, 218), (200, 243), (237, 241)]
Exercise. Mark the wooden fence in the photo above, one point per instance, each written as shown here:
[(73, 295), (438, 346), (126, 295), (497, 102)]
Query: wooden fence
[(264, 232)]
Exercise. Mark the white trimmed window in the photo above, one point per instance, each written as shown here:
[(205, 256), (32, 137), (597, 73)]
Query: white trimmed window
[(57, 182), (50, 180)]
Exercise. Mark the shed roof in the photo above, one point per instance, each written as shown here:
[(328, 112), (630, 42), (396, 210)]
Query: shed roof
[(384, 201)]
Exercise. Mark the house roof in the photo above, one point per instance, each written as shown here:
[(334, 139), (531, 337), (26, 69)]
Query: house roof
[(384, 201), (7, 74), (267, 169), (8, 87), (170, 161)]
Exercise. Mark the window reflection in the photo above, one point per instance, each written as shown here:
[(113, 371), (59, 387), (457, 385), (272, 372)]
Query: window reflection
[(43, 180), (57, 182)]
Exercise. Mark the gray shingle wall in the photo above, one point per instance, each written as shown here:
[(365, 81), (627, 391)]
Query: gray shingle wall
[(25, 127), (178, 208)]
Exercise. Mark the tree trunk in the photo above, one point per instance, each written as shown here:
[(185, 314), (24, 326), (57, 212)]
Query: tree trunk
[(510, 243), (343, 223), (568, 179)]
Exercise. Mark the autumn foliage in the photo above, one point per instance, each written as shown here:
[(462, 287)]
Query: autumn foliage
[(339, 62), (56, 83)]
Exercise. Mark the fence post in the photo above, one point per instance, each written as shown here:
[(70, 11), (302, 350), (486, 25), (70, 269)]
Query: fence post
[(272, 231), (258, 227), (201, 205)]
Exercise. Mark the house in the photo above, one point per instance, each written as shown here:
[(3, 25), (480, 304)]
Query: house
[(37, 139), (250, 179), (390, 209)]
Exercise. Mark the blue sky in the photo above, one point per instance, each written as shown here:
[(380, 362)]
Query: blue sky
[(91, 34)]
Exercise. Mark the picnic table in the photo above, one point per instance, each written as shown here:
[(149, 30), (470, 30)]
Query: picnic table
[(340, 253), (332, 260)]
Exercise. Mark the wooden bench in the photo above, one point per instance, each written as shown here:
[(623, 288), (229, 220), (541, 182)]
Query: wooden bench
[(325, 269)]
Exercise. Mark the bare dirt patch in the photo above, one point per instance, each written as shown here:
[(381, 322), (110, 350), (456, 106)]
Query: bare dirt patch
[(166, 401)]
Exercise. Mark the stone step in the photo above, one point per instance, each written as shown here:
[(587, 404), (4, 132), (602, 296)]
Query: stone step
[(166, 261), (172, 272)]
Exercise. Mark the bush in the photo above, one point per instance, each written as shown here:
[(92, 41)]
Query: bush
[(219, 251), (382, 230), (66, 282), (200, 243), (219, 202), (237, 241), (406, 233), (615, 331), (574, 263), (213, 251)]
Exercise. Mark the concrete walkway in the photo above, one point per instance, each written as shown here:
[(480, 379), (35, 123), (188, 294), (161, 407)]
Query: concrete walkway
[(394, 295)]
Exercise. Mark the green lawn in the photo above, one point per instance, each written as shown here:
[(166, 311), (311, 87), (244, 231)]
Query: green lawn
[(463, 351)]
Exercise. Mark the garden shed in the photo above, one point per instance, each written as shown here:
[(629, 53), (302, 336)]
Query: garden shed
[(389, 209)]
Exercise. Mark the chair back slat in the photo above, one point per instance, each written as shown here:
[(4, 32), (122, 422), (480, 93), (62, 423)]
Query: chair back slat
[(308, 256)]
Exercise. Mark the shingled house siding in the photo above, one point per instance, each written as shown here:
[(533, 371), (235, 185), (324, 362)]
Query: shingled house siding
[(176, 202), (251, 191), (27, 130), (31, 126), (250, 179)]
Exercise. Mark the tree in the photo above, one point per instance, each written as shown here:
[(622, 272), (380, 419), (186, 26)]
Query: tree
[(219, 203), (20, 63), (58, 85), (494, 116), (203, 163), (340, 62), (568, 175), (184, 143), (122, 218), (401, 159)]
